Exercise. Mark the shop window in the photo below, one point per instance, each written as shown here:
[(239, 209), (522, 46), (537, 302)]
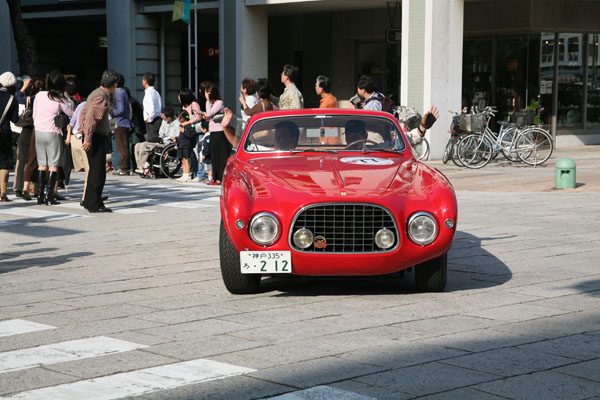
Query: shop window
[(570, 84), (477, 72), (593, 81)]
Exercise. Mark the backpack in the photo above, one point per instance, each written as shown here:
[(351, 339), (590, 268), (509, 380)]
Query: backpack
[(387, 104)]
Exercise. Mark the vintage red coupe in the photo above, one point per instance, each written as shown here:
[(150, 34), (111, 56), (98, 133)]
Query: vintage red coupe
[(327, 192)]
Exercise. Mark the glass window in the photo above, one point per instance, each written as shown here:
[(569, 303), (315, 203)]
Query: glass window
[(477, 72), (323, 132), (570, 82), (593, 82)]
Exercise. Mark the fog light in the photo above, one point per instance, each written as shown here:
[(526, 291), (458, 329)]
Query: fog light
[(384, 238), (422, 228), (303, 238)]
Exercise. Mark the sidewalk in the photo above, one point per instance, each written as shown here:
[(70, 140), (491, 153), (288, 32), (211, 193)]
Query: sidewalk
[(501, 175)]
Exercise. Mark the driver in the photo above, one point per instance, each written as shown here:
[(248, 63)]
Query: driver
[(356, 134), (286, 135)]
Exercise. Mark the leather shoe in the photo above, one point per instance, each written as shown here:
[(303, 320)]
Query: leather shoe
[(26, 196), (101, 210), (103, 197)]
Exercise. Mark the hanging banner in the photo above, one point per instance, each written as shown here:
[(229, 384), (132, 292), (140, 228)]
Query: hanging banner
[(181, 11)]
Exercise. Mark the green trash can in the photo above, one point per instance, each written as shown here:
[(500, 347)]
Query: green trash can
[(565, 174)]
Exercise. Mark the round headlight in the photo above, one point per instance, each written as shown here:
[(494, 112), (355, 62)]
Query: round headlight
[(422, 228), (384, 238), (303, 238), (264, 228)]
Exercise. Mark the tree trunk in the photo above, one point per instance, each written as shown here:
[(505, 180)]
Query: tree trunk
[(25, 50)]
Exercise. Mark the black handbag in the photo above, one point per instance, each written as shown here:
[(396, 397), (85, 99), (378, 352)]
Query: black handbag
[(62, 120), (26, 117)]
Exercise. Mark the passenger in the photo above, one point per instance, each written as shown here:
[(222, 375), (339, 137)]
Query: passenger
[(286, 135), (356, 134)]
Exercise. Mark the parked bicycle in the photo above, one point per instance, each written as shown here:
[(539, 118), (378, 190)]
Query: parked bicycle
[(530, 144)]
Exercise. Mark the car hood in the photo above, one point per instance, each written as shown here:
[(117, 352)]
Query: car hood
[(324, 174)]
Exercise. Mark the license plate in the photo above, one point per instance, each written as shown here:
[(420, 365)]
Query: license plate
[(266, 262)]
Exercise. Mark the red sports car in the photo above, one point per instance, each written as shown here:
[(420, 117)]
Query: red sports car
[(332, 192)]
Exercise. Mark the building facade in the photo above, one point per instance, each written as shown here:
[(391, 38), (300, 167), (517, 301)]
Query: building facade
[(447, 53)]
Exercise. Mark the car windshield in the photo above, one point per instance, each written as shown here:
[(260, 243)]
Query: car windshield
[(324, 133)]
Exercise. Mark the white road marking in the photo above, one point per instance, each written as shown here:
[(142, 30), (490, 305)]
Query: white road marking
[(61, 352), (41, 214), (133, 210), (216, 198), (20, 326), (322, 392), (138, 382)]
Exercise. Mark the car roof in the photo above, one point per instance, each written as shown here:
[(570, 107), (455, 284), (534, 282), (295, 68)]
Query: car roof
[(319, 111)]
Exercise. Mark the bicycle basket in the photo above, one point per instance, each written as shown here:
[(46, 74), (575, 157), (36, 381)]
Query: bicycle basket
[(478, 122)]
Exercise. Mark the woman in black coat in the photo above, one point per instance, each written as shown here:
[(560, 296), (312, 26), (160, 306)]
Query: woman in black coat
[(9, 112)]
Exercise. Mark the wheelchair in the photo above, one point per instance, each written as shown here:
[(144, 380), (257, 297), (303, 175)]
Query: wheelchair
[(164, 162)]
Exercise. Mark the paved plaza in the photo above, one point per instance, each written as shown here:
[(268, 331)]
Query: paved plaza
[(132, 303)]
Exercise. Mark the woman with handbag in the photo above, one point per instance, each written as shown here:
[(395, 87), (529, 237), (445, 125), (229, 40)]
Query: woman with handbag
[(25, 122), (47, 106), (9, 111)]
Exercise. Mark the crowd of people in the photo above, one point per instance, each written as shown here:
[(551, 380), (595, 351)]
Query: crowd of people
[(55, 129)]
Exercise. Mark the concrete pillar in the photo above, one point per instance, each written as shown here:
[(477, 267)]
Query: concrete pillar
[(431, 71), (9, 61), (120, 32), (243, 43)]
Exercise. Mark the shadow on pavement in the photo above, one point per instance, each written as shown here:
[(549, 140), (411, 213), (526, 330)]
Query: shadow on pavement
[(9, 261), (469, 267), (33, 227)]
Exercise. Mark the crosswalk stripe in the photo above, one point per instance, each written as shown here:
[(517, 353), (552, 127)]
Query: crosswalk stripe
[(20, 326), (138, 382), (64, 351), (321, 392), (40, 214)]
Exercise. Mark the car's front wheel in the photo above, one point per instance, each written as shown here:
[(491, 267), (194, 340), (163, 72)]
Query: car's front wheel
[(430, 276), (235, 281)]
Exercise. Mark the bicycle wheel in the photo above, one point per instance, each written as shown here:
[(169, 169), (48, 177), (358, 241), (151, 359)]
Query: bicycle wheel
[(169, 163), (448, 151), (421, 150), (454, 152), (508, 145), (475, 151), (534, 146)]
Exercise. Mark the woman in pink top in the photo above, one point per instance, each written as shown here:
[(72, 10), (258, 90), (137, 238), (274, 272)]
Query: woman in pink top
[(220, 148), (48, 137)]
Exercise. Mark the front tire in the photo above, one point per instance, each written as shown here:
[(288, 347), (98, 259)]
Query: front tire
[(431, 275), (234, 280)]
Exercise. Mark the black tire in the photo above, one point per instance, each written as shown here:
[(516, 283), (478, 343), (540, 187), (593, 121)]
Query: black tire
[(454, 152), (171, 165), (235, 281), (448, 151), (475, 150), (430, 276)]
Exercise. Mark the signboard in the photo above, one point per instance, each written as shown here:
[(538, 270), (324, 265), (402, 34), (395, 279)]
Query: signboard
[(102, 41), (210, 52), (393, 35)]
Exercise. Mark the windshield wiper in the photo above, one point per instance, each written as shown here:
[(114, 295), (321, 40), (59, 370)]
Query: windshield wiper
[(379, 149), (311, 150)]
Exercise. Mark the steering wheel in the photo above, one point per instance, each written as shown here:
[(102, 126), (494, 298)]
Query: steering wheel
[(365, 141)]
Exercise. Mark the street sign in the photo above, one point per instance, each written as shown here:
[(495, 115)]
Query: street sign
[(393, 35)]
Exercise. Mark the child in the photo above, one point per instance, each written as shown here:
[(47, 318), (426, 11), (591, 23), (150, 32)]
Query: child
[(206, 158), (185, 145)]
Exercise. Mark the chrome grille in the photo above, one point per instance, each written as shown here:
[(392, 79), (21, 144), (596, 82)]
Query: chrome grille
[(346, 227)]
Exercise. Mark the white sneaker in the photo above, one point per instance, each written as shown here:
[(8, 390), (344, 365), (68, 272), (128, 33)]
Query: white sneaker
[(184, 178), (196, 180)]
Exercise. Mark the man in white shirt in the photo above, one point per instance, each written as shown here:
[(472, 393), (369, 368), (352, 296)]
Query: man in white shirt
[(169, 128), (168, 131), (152, 108)]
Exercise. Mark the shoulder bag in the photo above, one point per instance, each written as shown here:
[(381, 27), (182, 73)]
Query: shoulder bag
[(26, 117)]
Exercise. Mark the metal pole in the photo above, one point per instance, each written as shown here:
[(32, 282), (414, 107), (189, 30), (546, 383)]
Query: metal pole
[(196, 46), (189, 56), (555, 89), (163, 73)]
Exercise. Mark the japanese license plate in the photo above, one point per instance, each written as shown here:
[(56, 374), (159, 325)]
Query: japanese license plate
[(266, 262)]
